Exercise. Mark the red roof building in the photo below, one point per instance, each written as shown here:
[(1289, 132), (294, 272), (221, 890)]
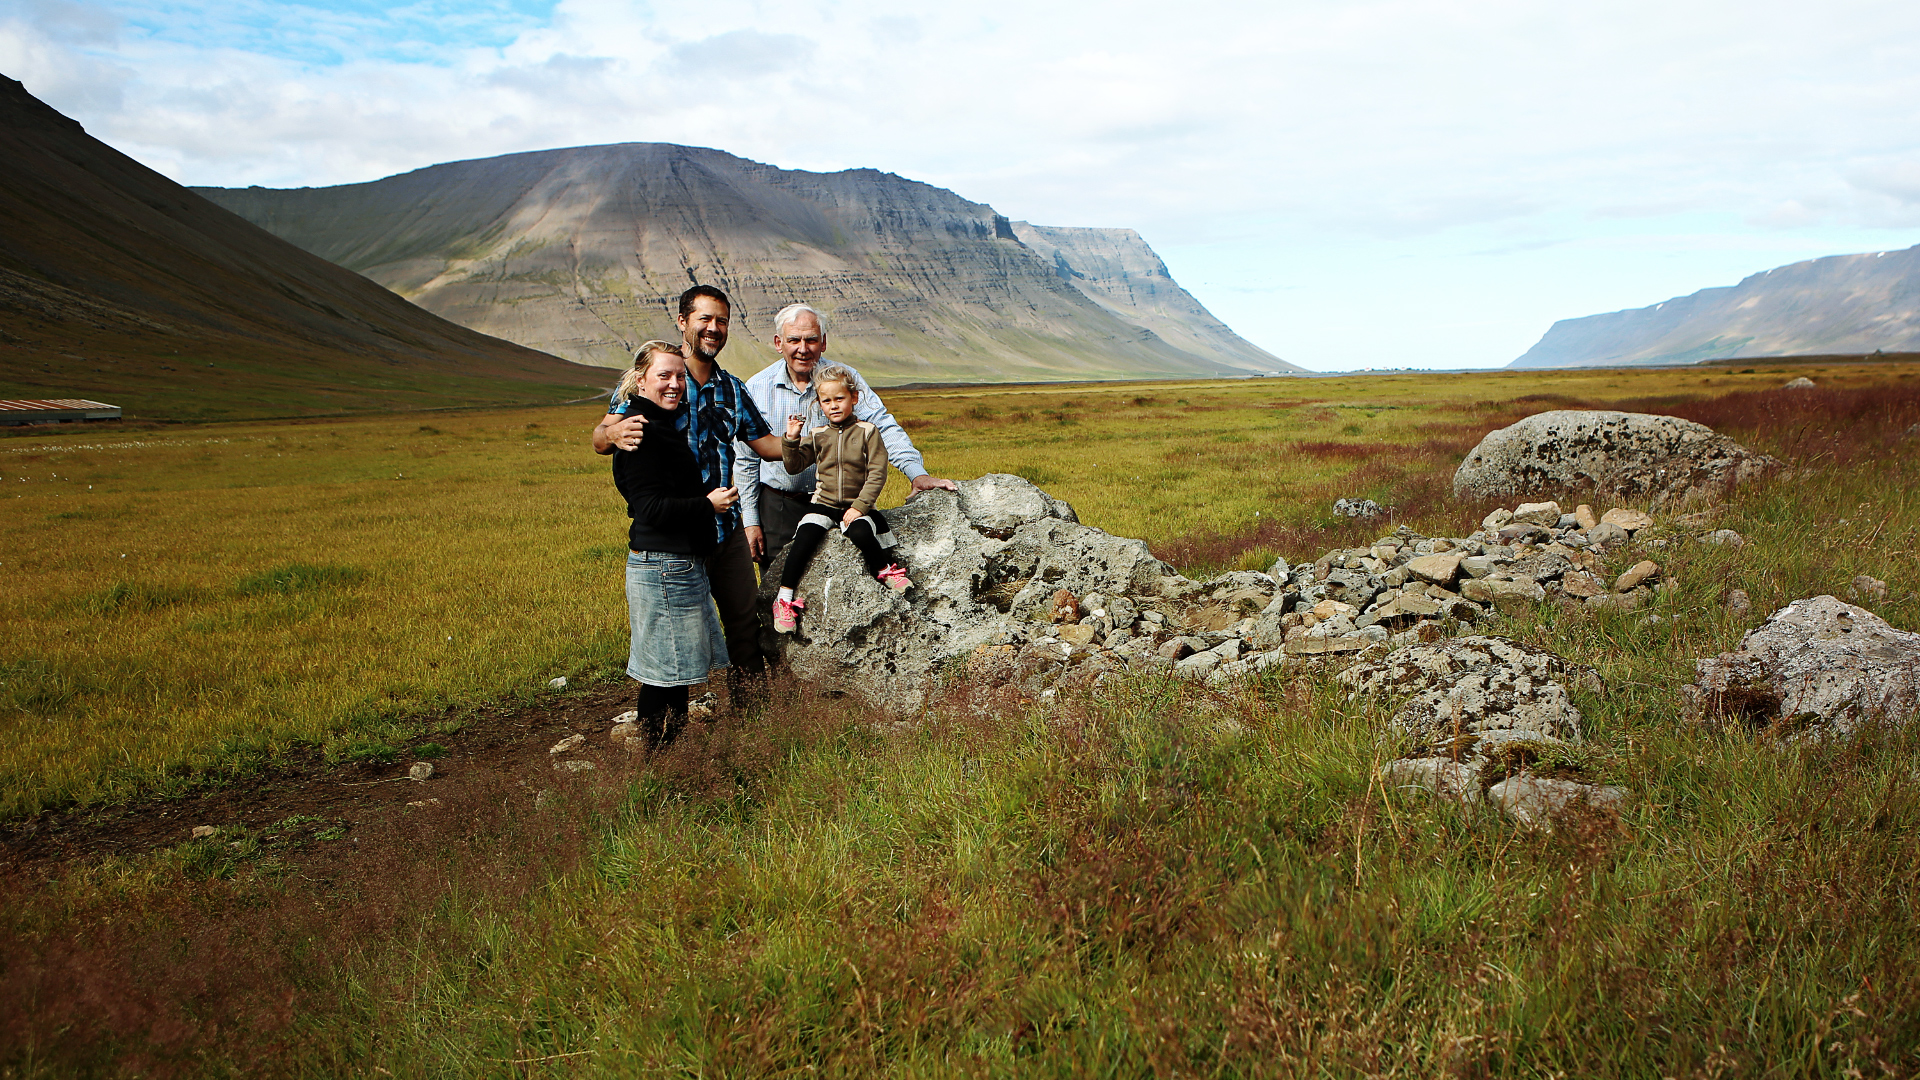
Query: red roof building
[(55, 411)]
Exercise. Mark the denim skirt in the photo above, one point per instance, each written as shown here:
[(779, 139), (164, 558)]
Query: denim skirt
[(676, 633)]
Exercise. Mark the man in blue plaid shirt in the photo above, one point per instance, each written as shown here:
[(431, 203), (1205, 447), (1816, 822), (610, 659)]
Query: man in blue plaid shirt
[(719, 412)]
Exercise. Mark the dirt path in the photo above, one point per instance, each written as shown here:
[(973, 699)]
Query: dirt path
[(496, 746)]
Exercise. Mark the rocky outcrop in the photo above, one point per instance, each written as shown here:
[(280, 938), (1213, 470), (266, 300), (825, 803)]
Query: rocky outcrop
[(582, 252), (1658, 458), (1840, 304), (1819, 666), (986, 562)]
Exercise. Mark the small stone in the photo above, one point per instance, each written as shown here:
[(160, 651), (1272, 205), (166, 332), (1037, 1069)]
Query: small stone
[(1439, 569), (1444, 777), (1626, 601), (201, 832), (1867, 588), (1327, 609), (1496, 519), (1583, 516), (566, 744), (627, 735), (557, 684), (1639, 572), (1357, 508), (1726, 537), (1505, 595), (703, 707), (1606, 535), (422, 804), (1628, 519), (420, 771), (1738, 602), (573, 765), (1546, 514), (1801, 383), (627, 717), (1582, 584), (1077, 634), (1175, 649), (1537, 801), (1306, 645), (1477, 565)]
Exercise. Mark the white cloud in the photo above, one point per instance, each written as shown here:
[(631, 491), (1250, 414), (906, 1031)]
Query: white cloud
[(1238, 134)]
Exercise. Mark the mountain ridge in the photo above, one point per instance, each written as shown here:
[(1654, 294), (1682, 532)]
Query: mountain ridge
[(581, 252), (117, 283), (1835, 304)]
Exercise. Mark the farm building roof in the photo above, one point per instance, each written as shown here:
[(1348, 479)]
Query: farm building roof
[(28, 411)]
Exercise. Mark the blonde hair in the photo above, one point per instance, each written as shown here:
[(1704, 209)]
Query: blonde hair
[(839, 373), (629, 383)]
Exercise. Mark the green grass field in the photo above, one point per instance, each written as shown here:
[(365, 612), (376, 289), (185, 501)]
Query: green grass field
[(1122, 885)]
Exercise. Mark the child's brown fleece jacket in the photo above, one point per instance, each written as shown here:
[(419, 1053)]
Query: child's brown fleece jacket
[(852, 458)]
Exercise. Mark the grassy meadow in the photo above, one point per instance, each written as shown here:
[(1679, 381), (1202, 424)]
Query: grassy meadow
[(1152, 880)]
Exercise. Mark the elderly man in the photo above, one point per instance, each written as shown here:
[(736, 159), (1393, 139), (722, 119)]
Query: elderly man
[(772, 502), (721, 417)]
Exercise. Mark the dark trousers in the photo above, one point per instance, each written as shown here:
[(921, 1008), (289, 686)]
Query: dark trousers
[(779, 517), (663, 712), (731, 576), (807, 538)]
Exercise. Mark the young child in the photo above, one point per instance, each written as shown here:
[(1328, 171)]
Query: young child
[(852, 462)]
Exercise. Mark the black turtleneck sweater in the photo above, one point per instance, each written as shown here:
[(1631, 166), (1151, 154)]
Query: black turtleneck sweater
[(661, 481)]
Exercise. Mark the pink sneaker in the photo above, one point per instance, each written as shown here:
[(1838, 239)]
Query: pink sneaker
[(786, 614), (895, 578)]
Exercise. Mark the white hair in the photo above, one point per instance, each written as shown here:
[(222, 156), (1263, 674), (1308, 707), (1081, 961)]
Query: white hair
[(794, 311)]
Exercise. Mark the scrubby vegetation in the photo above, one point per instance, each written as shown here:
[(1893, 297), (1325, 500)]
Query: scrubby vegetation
[(1152, 878)]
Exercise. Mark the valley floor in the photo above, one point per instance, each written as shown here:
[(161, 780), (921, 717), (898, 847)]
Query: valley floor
[(1151, 878)]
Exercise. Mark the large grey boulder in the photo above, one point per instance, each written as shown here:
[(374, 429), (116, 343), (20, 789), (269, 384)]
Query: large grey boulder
[(1639, 454), (1817, 666), (985, 561)]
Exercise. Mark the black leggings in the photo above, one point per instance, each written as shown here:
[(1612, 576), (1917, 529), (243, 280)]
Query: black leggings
[(807, 538), (663, 712)]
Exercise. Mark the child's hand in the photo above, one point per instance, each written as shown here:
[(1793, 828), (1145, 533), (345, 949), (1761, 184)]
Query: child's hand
[(722, 499), (795, 425), (852, 515)]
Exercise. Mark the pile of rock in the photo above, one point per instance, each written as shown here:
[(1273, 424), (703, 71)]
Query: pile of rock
[(1011, 589), (1481, 712)]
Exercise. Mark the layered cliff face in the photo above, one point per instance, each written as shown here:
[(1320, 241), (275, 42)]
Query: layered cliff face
[(582, 253), (1118, 271), (1839, 304), (118, 284)]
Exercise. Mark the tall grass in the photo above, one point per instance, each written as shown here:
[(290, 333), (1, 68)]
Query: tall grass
[(1150, 878), (184, 605)]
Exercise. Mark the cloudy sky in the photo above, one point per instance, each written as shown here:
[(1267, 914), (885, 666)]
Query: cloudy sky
[(1348, 183)]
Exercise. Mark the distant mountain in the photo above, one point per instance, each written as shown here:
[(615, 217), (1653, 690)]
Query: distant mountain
[(1118, 271), (581, 253), (120, 285), (1839, 304)]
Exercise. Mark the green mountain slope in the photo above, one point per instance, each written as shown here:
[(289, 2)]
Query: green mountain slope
[(118, 284)]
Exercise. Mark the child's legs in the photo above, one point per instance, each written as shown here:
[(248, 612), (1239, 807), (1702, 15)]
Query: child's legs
[(806, 540), (864, 536)]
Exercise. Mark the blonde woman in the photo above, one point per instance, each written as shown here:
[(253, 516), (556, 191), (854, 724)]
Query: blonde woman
[(676, 635)]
